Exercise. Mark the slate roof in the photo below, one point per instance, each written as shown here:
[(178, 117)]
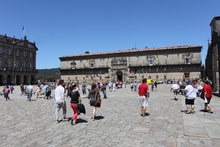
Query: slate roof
[(134, 50)]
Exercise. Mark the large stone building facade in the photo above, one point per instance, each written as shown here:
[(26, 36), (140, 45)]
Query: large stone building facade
[(128, 65), (17, 61), (213, 54)]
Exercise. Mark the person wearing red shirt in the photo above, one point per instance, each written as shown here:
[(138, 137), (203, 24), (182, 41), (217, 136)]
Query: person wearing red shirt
[(143, 92), (207, 89)]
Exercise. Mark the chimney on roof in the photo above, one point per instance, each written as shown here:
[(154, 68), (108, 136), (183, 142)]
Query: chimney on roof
[(86, 52)]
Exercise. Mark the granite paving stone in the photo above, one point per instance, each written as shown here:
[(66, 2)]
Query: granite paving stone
[(26, 124)]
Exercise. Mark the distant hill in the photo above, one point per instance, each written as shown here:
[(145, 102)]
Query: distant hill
[(48, 74)]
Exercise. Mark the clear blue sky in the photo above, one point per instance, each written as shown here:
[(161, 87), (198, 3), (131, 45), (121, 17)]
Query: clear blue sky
[(66, 27)]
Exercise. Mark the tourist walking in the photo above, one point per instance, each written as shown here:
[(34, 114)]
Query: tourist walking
[(22, 89), (75, 99), (48, 91), (103, 89), (135, 85), (60, 101), (95, 99), (84, 88), (11, 89), (207, 89), (143, 92), (6, 92), (191, 94), (175, 88), (29, 92), (38, 90), (132, 86)]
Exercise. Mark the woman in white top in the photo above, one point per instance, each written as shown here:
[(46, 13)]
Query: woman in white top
[(191, 93)]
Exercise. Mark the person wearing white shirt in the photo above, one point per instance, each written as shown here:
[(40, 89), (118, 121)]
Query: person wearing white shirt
[(60, 101), (29, 92), (175, 88), (191, 93)]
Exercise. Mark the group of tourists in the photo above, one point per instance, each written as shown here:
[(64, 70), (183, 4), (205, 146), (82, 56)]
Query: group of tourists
[(193, 89), (71, 90)]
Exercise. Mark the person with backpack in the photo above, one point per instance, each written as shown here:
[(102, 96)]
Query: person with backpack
[(6, 92), (95, 99)]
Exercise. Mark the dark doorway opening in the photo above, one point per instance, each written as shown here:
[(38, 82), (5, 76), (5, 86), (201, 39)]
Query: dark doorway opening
[(32, 80), (25, 80), (9, 80), (18, 80), (1, 80), (119, 76)]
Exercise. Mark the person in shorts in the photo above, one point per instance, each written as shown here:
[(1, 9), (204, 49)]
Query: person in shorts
[(191, 94), (207, 90), (175, 88), (143, 92)]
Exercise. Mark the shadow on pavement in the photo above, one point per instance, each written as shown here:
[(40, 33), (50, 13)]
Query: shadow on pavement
[(99, 117), (80, 120)]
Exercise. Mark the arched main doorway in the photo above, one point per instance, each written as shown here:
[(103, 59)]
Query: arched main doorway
[(18, 80), (119, 76), (9, 79), (25, 80)]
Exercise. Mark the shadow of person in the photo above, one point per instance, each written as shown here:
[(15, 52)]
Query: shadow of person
[(99, 117), (80, 120)]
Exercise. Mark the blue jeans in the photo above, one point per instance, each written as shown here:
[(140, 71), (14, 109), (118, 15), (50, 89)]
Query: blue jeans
[(29, 96), (104, 92)]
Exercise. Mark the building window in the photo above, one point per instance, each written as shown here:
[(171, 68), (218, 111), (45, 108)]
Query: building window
[(31, 55), (1, 50), (25, 54), (165, 77), (91, 65), (1, 64), (73, 65), (10, 51), (187, 60), (150, 61), (17, 52)]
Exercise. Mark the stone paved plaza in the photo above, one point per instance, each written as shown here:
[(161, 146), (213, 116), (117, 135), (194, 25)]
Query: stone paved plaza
[(25, 123)]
